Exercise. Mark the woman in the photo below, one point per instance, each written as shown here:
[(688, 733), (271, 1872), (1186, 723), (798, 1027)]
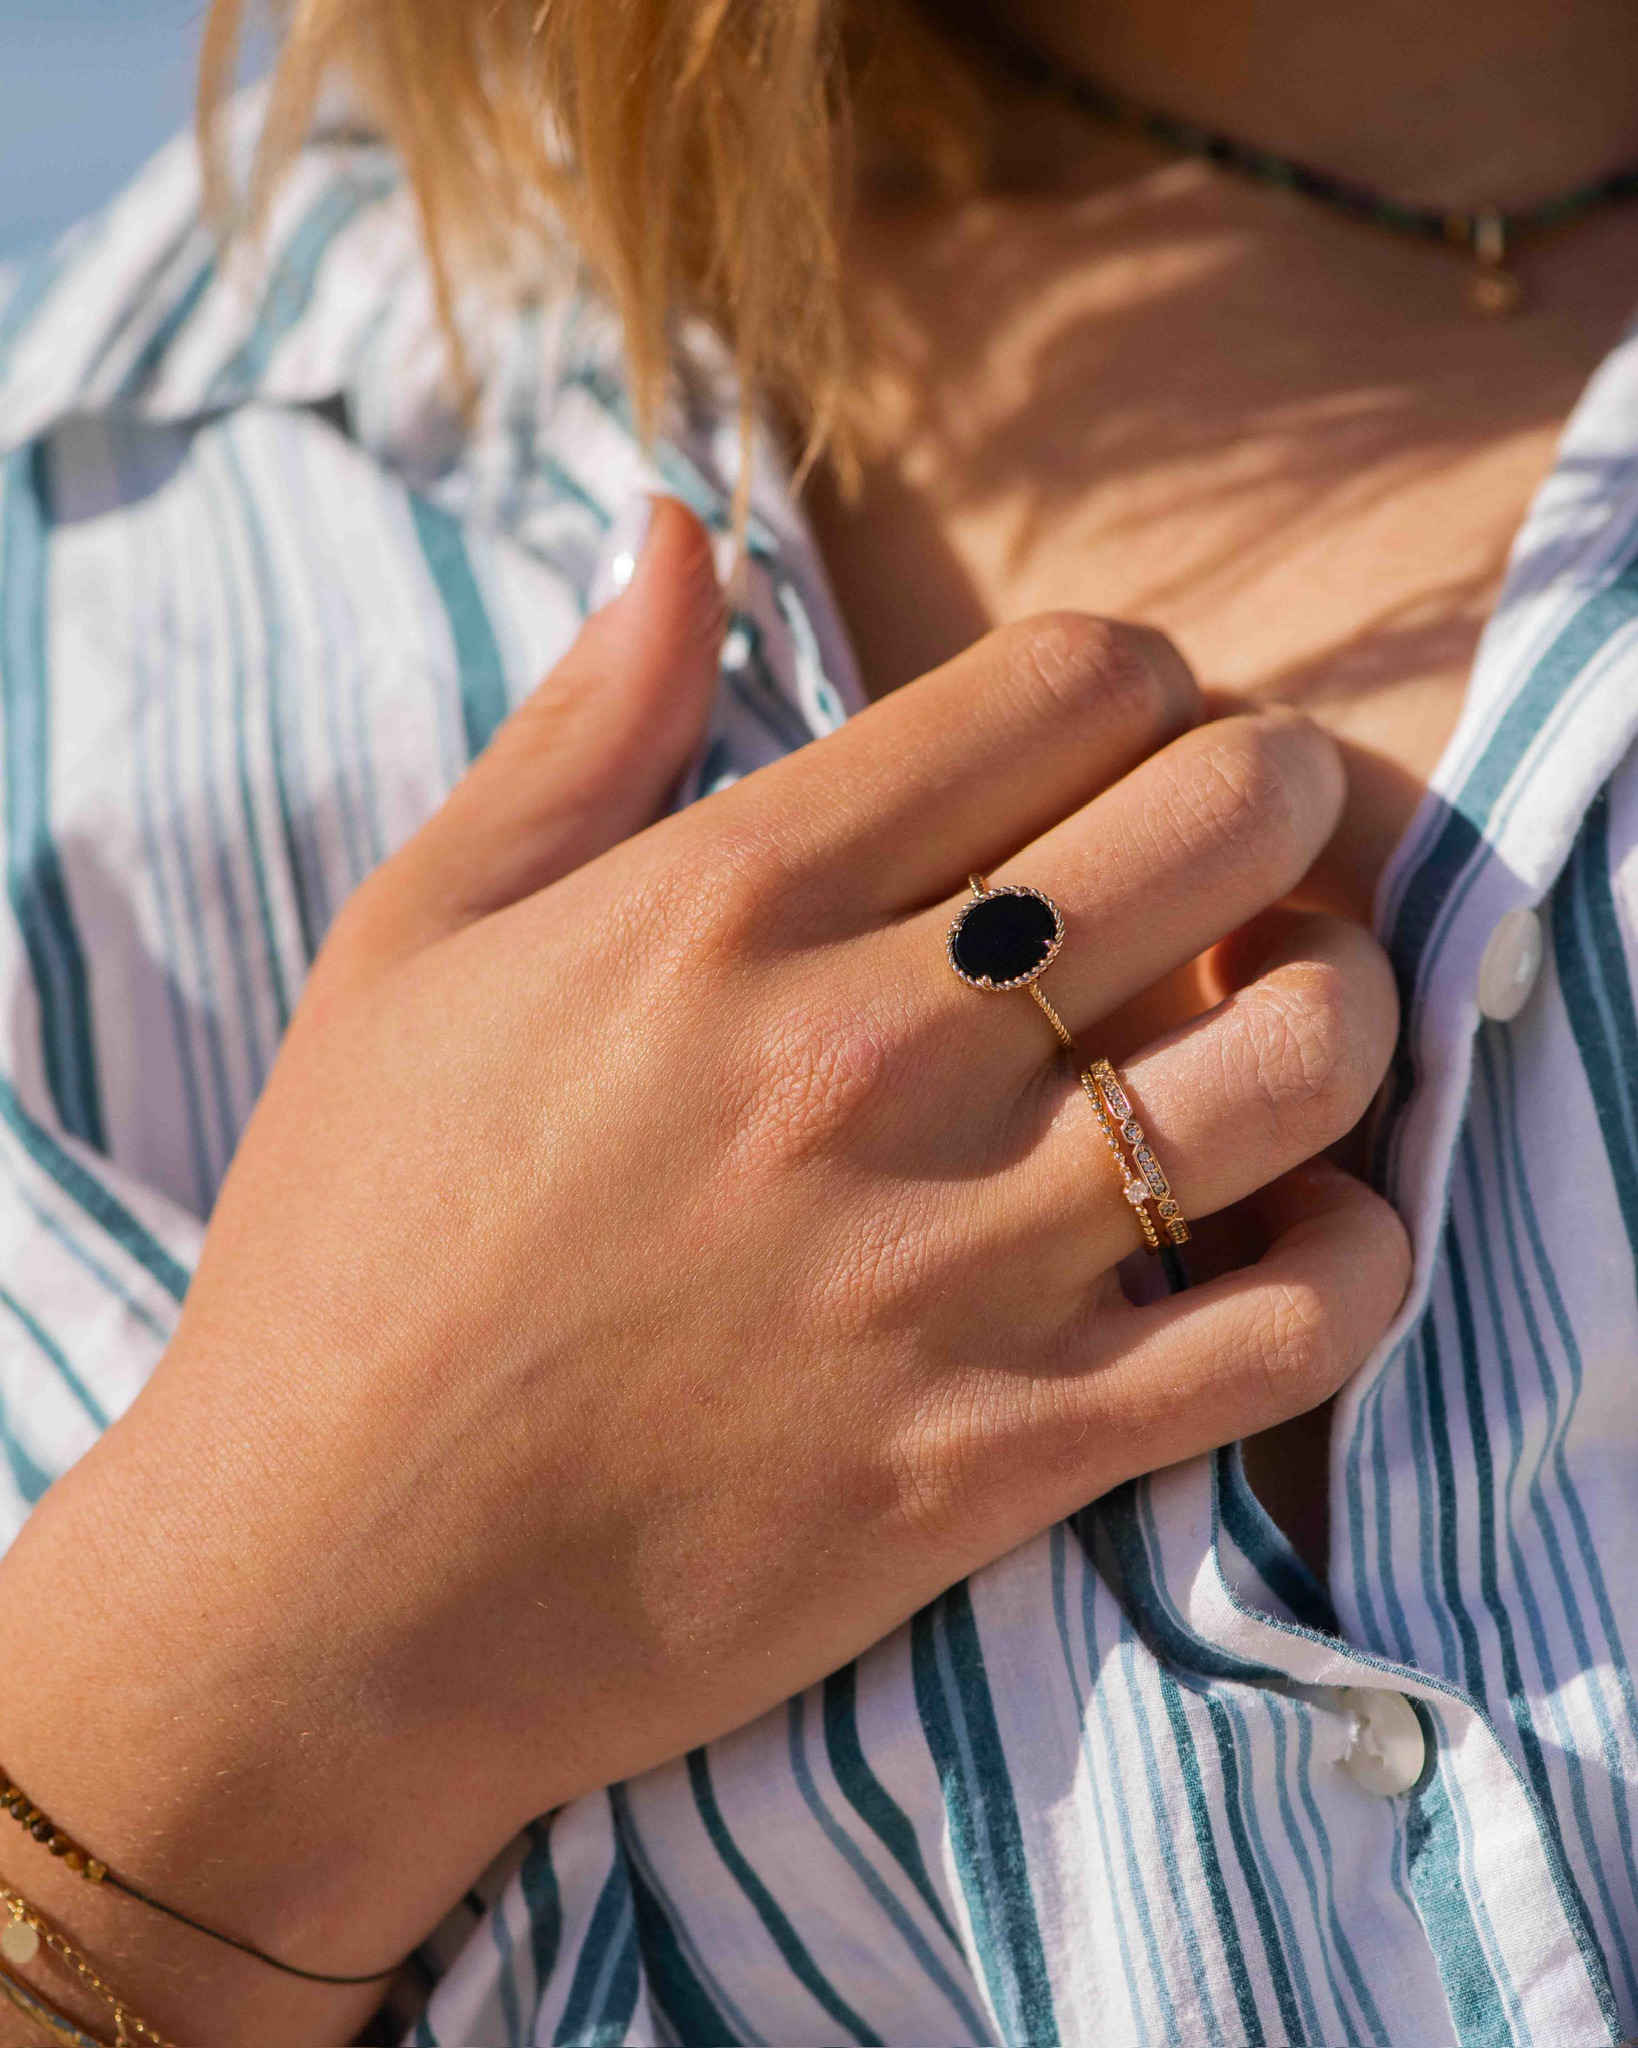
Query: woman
[(658, 1315)]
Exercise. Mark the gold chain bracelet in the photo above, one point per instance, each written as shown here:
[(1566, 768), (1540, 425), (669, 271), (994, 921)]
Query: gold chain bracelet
[(23, 1935)]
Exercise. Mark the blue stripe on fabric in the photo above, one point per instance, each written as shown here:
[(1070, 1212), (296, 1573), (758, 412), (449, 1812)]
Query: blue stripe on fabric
[(1424, 896), (108, 1213), (1297, 2014), (677, 1972), (153, 350), (1433, 1860), (1266, 1545), (1059, 1544), (304, 857), (1404, 1648), (909, 1933), (1211, 1866), (1161, 1807), (1370, 1622), (870, 1798), (30, 1481), (85, 1258), (205, 1011), (1518, 1698), (1429, 891), (958, 1719), (1616, 1662), (1418, 1375), (228, 583), (494, 1923), (148, 815), (537, 1880), (290, 287), (1304, 1774), (1559, 1417), (798, 1958), (233, 919), (1590, 956), (54, 1354), (477, 653), (1122, 1515), (1282, 1714), (603, 1992), (34, 876), (754, 686)]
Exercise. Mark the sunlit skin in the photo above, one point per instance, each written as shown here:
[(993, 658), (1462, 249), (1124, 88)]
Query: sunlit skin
[(1123, 381), (539, 1346)]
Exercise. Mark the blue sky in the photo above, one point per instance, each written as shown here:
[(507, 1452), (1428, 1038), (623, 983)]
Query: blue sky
[(88, 88)]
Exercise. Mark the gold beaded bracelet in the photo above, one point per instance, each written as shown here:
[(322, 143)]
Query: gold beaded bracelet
[(75, 1857), (24, 1933)]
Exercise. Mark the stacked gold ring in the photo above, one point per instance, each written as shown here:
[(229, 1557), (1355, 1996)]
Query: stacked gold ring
[(1135, 1190), (1146, 1181), (1007, 938)]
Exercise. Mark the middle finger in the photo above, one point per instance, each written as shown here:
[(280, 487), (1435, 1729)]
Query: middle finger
[(1187, 847)]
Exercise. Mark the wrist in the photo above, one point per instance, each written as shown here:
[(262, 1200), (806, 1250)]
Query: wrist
[(204, 1739)]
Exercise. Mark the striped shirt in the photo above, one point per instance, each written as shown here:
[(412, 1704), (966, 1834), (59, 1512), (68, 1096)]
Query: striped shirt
[(262, 594)]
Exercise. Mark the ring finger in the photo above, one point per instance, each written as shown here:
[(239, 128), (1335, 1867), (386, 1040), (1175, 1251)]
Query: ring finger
[(1279, 1070)]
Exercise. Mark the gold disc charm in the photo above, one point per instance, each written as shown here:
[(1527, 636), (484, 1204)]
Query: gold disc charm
[(18, 1942)]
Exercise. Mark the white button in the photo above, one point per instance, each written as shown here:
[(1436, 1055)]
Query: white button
[(1386, 1750), (1511, 962)]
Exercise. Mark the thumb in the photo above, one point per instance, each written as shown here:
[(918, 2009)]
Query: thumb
[(588, 759)]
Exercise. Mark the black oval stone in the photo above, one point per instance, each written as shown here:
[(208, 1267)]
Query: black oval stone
[(1004, 938)]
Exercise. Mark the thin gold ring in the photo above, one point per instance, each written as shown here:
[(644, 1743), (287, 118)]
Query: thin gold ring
[(1135, 1190), (1023, 936), (1147, 1180)]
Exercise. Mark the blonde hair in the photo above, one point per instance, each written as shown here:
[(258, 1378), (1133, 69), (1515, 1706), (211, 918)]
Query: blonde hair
[(696, 151)]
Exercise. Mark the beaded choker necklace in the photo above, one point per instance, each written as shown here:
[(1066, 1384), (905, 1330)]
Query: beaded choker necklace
[(1487, 236)]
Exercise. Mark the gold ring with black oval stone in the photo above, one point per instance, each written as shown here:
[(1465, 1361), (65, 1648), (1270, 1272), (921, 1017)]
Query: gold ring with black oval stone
[(1008, 938)]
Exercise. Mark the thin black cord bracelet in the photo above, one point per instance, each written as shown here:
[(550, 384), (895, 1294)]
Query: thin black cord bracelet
[(78, 1859), (245, 1948)]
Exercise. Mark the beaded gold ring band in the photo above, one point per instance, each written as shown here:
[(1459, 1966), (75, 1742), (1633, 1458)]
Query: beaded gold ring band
[(1008, 938), (1147, 1181), (1136, 1191)]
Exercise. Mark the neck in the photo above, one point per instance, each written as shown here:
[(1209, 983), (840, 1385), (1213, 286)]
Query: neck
[(1463, 104)]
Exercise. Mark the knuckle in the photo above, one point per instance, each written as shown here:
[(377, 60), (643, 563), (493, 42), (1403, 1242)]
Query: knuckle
[(1075, 664), (954, 1450), (1298, 1039), (810, 1078), (1234, 803), (713, 898), (1295, 1352)]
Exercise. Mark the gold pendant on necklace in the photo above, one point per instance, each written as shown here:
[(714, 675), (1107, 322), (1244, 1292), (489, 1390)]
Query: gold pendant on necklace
[(1493, 289), (1495, 293)]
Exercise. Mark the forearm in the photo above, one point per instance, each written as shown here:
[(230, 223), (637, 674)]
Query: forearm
[(157, 1708)]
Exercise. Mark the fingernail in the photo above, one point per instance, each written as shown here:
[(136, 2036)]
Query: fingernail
[(622, 546)]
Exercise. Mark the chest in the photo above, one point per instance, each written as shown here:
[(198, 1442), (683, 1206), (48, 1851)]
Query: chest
[(1282, 437)]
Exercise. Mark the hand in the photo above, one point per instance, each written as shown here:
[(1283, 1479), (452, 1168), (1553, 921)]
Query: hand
[(650, 1274)]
